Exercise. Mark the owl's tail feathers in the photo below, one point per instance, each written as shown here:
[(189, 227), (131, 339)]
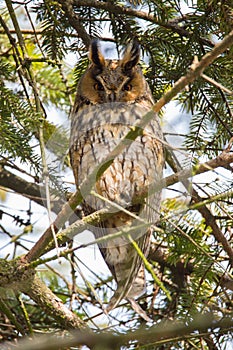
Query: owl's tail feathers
[(128, 289), (137, 308)]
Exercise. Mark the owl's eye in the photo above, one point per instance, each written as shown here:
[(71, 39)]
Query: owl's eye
[(98, 86), (127, 87)]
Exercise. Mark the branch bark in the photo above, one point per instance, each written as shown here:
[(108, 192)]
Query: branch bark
[(20, 277), (128, 11), (27, 189), (157, 335), (74, 21), (47, 300)]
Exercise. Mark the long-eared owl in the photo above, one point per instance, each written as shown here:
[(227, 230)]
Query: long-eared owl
[(112, 96)]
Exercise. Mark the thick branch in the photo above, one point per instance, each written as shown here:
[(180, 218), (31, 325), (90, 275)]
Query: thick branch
[(53, 305), (17, 276), (154, 336), (27, 189), (128, 11), (74, 21)]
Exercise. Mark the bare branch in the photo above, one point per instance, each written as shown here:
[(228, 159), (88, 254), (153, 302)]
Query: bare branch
[(222, 160), (215, 83), (154, 336), (74, 21), (29, 190)]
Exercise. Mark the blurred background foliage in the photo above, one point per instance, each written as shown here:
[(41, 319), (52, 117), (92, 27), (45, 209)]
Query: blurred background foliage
[(43, 54)]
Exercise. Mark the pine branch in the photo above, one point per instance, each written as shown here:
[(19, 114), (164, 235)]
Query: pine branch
[(202, 208), (196, 70), (16, 55), (181, 269), (74, 21), (189, 241), (123, 10), (210, 221)]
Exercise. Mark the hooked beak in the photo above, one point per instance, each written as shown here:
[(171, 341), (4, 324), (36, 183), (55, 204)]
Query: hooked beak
[(111, 97)]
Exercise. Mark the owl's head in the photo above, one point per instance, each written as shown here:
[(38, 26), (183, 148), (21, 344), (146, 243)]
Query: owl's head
[(108, 80)]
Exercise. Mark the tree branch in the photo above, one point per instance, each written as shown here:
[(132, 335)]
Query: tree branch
[(47, 300), (44, 244), (196, 70), (128, 11), (182, 269), (155, 336), (218, 85), (201, 207), (27, 189), (222, 160), (74, 21), (210, 221), (19, 277)]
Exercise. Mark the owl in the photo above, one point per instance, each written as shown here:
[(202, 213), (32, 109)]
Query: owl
[(112, 96)]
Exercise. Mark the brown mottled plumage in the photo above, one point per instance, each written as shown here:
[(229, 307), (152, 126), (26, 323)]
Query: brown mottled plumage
[(112, 96)]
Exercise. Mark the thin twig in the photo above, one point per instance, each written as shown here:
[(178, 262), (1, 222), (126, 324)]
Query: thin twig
[(210, 221), (215, 83)]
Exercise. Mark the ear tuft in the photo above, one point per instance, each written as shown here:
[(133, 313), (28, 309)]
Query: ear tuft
[(131, 55), (95, 54)]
